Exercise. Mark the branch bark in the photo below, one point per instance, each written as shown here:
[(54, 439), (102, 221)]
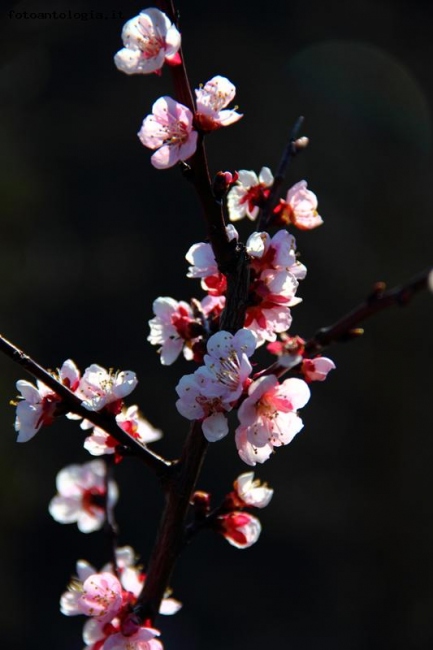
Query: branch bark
[(156, 463)]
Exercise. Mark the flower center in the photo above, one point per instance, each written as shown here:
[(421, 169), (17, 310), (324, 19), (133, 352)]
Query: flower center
[(177, 133), (228, 371), (93, 500), (150, 45)]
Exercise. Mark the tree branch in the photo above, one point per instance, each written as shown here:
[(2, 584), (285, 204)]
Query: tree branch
[(171, 535), (155, 462), (346, 328)]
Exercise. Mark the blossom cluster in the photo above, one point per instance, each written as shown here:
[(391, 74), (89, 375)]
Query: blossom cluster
[(232, 519), (107, 597), (225, 378), (267, 409), (250, 193), (99, 390), (240, 528)]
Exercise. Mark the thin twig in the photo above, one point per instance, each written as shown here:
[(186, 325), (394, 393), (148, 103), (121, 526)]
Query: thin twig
[(289, 153), (102, 420)]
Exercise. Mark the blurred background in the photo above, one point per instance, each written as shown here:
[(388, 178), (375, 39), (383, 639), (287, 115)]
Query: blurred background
[(91, 234)]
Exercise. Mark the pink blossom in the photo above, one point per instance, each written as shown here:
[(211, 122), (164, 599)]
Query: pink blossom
[(251, 492), (250, 453), (150, 39), (275, 274), (99, 636), (249, 194), (194, 404), (131, 578), (108, 599), (277, 253), (169, 130), (240, 528), (272, 294), (212, 98), (174, 328), (101, 596), (143, 639), (130, 420), (81, 496), (38, 405), (300, 208), (100, 388), (137, 426), (227, 363), (213, 389), (268, 417), (317, 369), (212, 305), (203, 265)]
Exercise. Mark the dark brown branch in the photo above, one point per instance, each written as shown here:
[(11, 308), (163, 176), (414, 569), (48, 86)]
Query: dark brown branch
[(347, 327), (171, 535), (155, 462)]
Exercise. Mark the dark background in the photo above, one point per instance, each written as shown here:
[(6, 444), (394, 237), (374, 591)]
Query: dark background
[(91, 234)]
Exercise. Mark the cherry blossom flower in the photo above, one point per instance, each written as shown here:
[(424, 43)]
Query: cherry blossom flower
[(108, 600), (316, 369), (130, 420), (268, 416), (289, 349), (131, 579), (39, 404), (213, 389), (137, 426), (174, 328), (250, 453), (212, 98), (271, 294), (227, 363), (98, 636), (150, 39), (251, 492), (169, 130), (249, 194), (300, 208), (193, 404), (275, 274), (81, 496), (277, 253), (100, 388), (101, 596), (203, 265), (240, 528)]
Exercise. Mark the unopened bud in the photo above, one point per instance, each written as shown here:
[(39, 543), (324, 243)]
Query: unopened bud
[(201, 503), (356, 331), (222, 183), (302, 142)]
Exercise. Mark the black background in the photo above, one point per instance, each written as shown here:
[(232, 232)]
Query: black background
[(91, 234)]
